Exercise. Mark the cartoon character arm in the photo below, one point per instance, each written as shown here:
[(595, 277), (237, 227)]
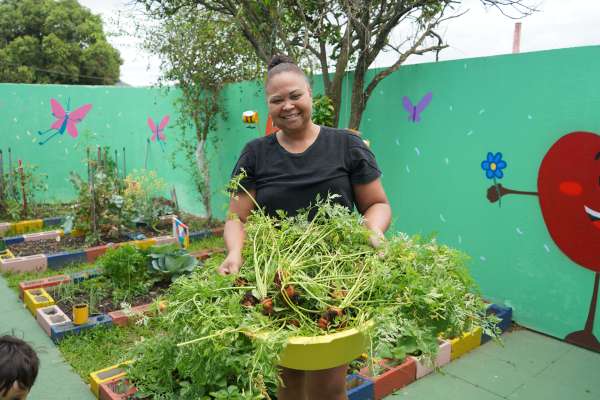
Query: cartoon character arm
[(495, 192)]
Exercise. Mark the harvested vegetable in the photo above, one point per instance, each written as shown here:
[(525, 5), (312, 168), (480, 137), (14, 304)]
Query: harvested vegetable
[(308, 275)]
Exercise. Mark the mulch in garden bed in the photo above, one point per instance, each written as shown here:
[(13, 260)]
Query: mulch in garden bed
[(106, 303)]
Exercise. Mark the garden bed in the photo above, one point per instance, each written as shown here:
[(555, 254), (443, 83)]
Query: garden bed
[(66, 296)]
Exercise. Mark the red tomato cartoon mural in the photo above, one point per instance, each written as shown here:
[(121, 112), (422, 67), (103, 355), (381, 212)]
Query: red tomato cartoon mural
[(569, 195)]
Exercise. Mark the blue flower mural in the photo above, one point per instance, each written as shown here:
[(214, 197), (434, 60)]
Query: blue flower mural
[(493, 166)]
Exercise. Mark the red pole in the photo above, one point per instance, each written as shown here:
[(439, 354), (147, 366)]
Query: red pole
[(23, 187), (517, 38)]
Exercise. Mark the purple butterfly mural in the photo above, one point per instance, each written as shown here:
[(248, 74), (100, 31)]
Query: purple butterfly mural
[(414, 112)]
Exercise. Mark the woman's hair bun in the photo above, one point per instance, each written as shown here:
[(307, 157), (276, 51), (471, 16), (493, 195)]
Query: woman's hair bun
[(279, 59)]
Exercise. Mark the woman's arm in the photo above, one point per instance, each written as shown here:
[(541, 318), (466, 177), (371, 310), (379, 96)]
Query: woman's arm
[(240, 207), (374, 206)]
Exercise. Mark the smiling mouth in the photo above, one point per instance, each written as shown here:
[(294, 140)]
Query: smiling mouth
[(290, 116), (593, 214)]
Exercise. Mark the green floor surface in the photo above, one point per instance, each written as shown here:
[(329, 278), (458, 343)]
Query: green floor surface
[(56, 379), (529, 366)]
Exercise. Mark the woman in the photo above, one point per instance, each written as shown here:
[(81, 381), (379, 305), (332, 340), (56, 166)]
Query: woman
[(286, 171)]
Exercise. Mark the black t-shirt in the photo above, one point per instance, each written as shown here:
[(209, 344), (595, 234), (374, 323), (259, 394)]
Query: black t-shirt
[(290, 182)]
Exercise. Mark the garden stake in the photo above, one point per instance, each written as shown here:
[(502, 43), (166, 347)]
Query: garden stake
[(146, 155), (174, 199), (23, 188), (124, 165), (11, 183), (116, 163), (1, 178), (99, 158), (106, 158), (92, 195)]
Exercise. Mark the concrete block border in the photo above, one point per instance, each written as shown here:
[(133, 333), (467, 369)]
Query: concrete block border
[(40, 262)]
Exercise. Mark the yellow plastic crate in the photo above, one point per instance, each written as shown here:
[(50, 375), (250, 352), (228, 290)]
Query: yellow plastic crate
[(465, 343), (37, 298), (107, 375), (27, 226)]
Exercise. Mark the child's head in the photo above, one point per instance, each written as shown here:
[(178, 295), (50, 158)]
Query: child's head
[(18, 368)]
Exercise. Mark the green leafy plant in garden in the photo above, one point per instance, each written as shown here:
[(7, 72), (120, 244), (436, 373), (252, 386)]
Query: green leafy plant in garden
[(323, 110), (126, 270), (142, 198), (171, 262), (99, 208), (20, 192)]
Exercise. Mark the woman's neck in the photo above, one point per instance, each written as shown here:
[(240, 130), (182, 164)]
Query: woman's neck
[(298, 141)]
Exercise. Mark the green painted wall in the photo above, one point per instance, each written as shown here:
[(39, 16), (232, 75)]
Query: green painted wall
[(516, 104)]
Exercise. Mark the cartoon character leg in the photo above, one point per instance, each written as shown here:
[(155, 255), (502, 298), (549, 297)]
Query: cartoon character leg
[(586, 338)]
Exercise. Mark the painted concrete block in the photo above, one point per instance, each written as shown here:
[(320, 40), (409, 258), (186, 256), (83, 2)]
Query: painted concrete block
[(77, 277), (27, 226), (13, 240), (505, 315), (162, 240), (144, 244), (465, 343), (35, 263), (393, 377), (204, 254), (58, 260), (199, 235), (5, 227), (359, 388), (58, 332), (121, 389), (442, 358), (92, 253), (50, 316), (121, 317), (6, 254), (48, 235), (50, 281), (53, 221), (110, 374), (37, 298)]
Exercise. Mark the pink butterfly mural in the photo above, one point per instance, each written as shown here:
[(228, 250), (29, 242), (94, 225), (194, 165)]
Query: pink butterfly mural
[(158, 132), (65, 120)]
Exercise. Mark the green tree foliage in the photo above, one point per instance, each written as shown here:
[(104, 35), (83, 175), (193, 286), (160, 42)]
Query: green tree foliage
[(200, 52), (334, 36), (49, 41)]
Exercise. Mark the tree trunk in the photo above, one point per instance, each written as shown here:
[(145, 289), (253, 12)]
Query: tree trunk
[(358, 95), (204, 177)]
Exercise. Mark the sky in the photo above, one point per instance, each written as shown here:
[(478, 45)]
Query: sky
[(478, 33)]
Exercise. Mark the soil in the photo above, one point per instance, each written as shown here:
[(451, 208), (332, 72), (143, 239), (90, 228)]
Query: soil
[(106, 304), (66, 243), (47, 246)]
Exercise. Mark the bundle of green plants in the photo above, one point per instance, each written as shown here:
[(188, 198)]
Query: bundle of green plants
[(308, 275)]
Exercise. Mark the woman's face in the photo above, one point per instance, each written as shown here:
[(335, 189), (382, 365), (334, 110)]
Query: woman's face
[(289, 100)]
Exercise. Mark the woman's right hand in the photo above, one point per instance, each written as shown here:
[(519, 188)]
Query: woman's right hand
[(231, 264)]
